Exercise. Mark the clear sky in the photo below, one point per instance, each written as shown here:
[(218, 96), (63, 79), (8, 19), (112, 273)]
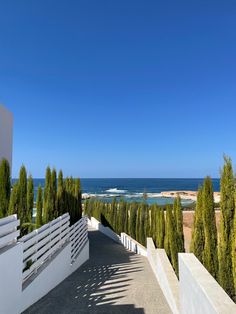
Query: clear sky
[(124, 88)]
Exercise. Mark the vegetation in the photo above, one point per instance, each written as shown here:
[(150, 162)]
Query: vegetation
[(198, 237), (210, 259), (217, 252), (5, 187), (58, 197), (141, 221), (226, 244)]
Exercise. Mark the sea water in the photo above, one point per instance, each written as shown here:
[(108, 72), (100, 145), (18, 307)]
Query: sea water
[(134, 189)]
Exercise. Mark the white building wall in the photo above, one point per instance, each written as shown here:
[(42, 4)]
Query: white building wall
[(11, 278), (6, 134)]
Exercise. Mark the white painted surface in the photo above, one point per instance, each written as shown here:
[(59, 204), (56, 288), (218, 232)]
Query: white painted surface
[(199, 291), (10, 278), (132, 245), (165, 275), (56, 251), (6, 134), (8, 230), (47, 278), (42, 243), (78, 237), (94, 223), (83, 257)]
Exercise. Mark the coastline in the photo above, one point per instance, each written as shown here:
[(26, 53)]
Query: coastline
[(184, 195), (188, 195)]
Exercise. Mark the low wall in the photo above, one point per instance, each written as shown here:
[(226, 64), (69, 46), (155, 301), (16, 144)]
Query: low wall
[(132, 245), (94, 223), (11, 278), (165, 275), (30, 268), (58, 269), (199, 291)]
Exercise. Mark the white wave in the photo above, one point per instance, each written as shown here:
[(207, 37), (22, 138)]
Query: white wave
[(115, 190)]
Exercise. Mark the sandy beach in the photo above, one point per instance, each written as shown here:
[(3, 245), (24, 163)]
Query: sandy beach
[(188, 195)]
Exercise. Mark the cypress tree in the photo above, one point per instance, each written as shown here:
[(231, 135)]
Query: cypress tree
[(126, 228), (48, 199), (60, 194), (198, 236), (178, 215), (114, 214), (14, 201), (153, 209), (121, 216), (167, 232), (22, 199), (171, 239), (147, 223), (39, 206), (160, 227), (210, 259), (54, 193), (132, 221), (227, 193), (143, 225), (5, 187), (30, 199), (78, 201), (138, 224)]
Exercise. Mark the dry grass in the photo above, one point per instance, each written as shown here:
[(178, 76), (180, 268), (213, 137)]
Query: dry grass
[(188, 219)]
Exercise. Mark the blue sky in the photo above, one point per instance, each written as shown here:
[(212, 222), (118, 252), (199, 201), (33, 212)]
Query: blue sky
[(120, 88)]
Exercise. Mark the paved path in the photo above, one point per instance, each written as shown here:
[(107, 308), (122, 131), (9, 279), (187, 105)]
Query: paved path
[(112, 281)]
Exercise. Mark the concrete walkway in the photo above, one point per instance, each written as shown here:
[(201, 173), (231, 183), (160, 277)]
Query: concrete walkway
[(112, 281)]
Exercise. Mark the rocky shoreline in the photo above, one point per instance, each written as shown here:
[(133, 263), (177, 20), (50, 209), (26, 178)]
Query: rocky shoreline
[(188, 195)]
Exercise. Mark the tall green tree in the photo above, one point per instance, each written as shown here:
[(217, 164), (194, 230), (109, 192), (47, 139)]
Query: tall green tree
[(48, 198), (227, 205), (54, 193), (160, 227), (39, 206), (121, 216), (171, 239), (138, 217), (30, 200), (126, 223), (132, 221), (153, 209), (14, 201), (60, 194), (143, 224), (198, 236), (178, 215), (22, 199), (210, 259), (5, 187), (78, 199)]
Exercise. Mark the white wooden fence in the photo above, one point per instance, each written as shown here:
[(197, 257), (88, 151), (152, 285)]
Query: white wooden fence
[(78, 237), (8, 230), (41, 244)]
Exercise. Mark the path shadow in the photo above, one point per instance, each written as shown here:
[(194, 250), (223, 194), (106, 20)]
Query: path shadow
[(98, 286)]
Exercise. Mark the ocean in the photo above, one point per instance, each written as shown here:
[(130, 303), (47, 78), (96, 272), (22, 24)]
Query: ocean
[(133, 189)]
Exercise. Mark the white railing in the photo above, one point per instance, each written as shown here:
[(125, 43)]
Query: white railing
[(8, 230), (41, 244), (132, 245), (78, 237)]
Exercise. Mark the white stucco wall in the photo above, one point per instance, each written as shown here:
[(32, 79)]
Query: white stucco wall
[(165, 275), (11, 278), (199, 292), (6, 134), (53, 274)]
